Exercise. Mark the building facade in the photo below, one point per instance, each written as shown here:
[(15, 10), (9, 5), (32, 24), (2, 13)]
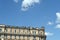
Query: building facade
[(21, 33)]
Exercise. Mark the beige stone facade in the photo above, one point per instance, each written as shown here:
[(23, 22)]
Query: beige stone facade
[(21, 33)]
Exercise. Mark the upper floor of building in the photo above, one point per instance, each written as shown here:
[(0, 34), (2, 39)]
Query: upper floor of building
[(23, 30)]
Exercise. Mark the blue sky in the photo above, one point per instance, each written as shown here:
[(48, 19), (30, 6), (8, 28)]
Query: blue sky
[(35, 13)]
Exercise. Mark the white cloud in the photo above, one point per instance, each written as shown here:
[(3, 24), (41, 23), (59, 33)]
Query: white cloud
[(48, 33), (15, 1), (58, 26), (49, 23), (58, 20), (28, 3), (58, 17)]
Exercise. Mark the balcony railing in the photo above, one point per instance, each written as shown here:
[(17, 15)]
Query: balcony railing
[(30, 34)]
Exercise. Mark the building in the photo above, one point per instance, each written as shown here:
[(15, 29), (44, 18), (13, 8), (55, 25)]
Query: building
[(21, 33)]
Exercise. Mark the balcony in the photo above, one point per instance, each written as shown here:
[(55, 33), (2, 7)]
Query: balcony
[(22, 34)]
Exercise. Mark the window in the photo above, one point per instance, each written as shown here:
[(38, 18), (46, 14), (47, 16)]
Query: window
[(10, 37), (11, 30), (41, 33), (28, 37), (2, 36), (0, 30), (39, 38), (15, 31), (15, 36), (42, 39), (19, 37), (34, 38), (6, 36), (34, 32), (6, 30)]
